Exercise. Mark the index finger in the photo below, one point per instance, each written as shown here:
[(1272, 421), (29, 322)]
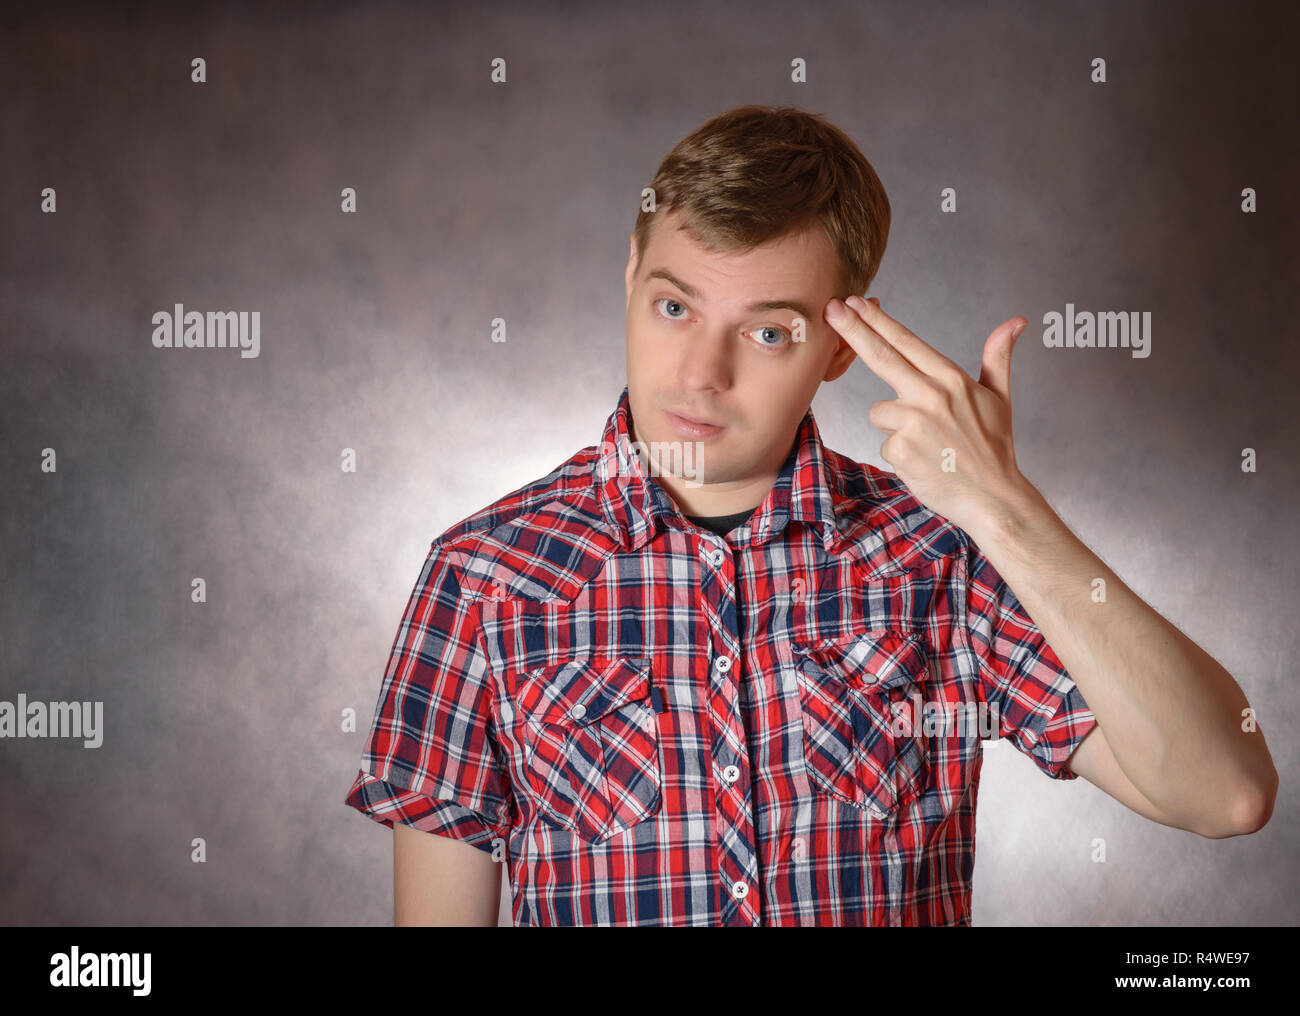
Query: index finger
[(881, 357), (923, 356)]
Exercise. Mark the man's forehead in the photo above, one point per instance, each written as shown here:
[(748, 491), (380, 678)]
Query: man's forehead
[(665, 261)]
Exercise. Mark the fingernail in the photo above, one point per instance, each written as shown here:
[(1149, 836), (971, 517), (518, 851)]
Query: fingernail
[(834, 309), (1015, 332)]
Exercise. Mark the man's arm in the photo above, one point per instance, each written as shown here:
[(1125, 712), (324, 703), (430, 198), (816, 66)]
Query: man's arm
[(1095, 762), (1172, 716), (440, 880), (1175, 721)]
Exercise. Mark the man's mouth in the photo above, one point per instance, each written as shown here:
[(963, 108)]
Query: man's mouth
[(692, 427)]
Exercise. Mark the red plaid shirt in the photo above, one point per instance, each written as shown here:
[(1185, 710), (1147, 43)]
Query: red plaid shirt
[(654, 725)]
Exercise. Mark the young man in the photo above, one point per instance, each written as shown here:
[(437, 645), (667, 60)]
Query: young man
[(710, 672)]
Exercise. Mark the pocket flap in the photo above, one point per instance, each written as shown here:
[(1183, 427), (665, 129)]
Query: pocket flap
[(582, 690), (871, 661)]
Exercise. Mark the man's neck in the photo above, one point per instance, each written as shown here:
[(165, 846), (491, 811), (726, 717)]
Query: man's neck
[(711, 500)]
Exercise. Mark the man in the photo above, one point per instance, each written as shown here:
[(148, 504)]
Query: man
[(711, 672)]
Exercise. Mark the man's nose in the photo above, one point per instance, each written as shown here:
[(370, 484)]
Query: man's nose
[(706, 361)]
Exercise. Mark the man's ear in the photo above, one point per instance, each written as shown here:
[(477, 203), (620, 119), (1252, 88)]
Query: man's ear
[(631, 266), (840, 361)]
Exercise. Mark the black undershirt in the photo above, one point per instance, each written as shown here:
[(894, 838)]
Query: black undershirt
[(721, 524)]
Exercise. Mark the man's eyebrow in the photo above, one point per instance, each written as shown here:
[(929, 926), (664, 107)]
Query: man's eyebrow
[(693, 293)]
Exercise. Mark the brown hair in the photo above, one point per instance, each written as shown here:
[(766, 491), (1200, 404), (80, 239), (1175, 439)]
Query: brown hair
[(755, 173)]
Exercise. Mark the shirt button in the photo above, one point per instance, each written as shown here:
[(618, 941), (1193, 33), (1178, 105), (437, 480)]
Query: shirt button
[(578, 711), (731, 774), (739, 889), (716, 557), (723, 663), (869, 678)]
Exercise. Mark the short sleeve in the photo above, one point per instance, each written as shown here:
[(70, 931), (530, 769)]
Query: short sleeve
[(432, 759), (1039, 706)]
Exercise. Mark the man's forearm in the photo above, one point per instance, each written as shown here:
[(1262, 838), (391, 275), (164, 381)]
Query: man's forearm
[(1172, 715)]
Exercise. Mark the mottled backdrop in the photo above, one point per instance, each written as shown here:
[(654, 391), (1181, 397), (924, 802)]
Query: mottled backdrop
[(477, 200)]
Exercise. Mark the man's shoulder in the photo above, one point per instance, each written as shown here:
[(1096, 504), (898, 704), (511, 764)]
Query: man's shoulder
[(547, 526), (884, 522)]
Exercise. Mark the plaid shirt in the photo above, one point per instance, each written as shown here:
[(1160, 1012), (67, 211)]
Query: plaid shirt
[(654, 725)]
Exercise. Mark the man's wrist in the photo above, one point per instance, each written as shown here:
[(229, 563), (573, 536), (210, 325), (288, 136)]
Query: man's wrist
[(1010, 520)]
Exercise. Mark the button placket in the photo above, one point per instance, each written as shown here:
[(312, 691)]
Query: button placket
[(734, 817)]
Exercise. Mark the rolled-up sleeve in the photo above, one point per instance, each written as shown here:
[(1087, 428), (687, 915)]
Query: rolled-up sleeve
[(1039, 706), (432, 759)]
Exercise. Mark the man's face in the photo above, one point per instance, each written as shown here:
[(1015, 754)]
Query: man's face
[(703, 346)]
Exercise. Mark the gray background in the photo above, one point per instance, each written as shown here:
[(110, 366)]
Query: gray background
[(479, 201)]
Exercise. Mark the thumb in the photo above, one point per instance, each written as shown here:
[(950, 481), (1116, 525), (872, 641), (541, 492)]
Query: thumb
[(995, 366)]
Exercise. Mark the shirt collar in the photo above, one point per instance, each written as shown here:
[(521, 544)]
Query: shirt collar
[(636, 506)]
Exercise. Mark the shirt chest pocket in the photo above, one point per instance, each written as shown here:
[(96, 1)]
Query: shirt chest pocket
[(859, 744), (590, 737)]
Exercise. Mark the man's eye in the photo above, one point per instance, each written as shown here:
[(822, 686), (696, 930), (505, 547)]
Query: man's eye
[(777, 336), (674, 303)]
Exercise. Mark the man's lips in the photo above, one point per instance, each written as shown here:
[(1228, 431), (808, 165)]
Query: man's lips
[(690, 427), (698, 421)]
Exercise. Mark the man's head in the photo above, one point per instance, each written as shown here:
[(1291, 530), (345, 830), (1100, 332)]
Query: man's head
[(756, 207)]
